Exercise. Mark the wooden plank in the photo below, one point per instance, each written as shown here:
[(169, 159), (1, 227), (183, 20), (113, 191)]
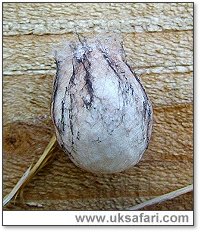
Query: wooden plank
[(159, 44), (28, 96), (59, 18), (166, 166), (159, 53)]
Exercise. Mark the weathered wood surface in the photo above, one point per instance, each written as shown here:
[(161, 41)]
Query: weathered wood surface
[(158, 41)]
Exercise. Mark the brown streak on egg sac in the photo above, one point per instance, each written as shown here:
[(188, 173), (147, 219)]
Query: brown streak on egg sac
[(101, 112)]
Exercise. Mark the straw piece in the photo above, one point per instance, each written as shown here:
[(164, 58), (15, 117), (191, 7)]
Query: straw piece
[(14, 191), (162, 198), (32, 171)]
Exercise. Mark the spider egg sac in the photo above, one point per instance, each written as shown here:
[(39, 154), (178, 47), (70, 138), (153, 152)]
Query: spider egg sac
[(101, 112)]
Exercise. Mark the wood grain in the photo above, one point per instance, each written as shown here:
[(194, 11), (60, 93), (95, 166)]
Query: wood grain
[(158, 38)]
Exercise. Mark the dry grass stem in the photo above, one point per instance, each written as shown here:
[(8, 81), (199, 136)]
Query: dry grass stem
[(32, 171), (165, 197)]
